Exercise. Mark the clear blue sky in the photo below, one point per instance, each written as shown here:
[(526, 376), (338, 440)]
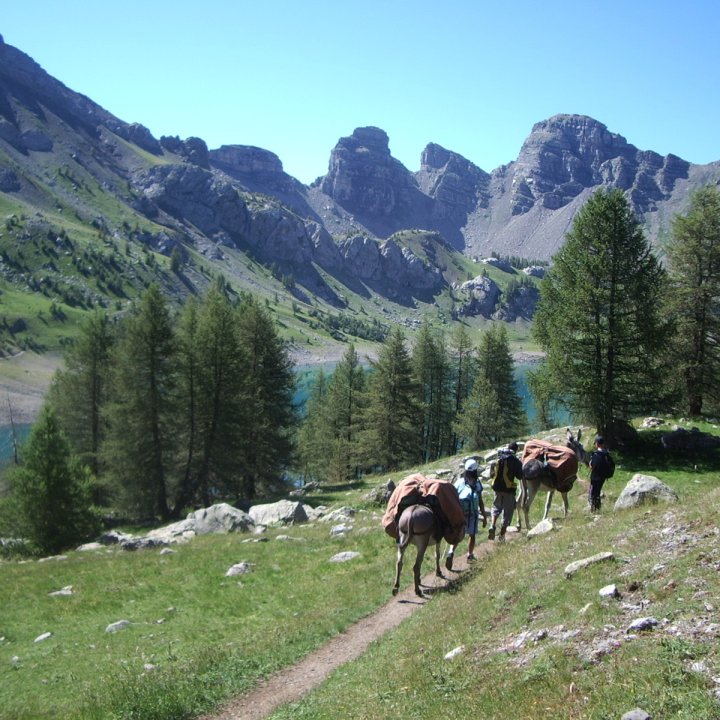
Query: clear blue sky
[(294, 76)]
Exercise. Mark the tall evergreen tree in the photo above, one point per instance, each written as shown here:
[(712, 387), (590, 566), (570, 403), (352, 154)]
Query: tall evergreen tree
[(462, 375), (390, 437), (51, 492), (314, 441), (694, 262), (599, 316), (212, 380), (140, 451), (493, 413), (267, 397), (432, 374), (79, 391), (344, 411)]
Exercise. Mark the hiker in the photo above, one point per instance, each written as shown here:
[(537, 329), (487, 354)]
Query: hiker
[(507, 469), (469, 490), (602, 467)]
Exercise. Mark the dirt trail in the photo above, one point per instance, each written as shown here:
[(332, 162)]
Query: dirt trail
[(291, 684)]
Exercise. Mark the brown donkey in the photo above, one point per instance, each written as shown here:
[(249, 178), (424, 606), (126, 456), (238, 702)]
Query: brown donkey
[(419, 526)]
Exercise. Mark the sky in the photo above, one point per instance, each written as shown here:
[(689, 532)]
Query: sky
[(295, 76)]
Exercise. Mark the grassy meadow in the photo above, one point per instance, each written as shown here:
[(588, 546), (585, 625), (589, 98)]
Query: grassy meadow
[(535, 643)]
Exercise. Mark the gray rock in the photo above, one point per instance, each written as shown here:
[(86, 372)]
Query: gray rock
[(43, 637), (63, 592), (609, 591), (574, 567), (220, 518), (642, 624), (241, 568), (636, 714), (684, 440), (483, 295), (543, 527), (283, 512), (117, 626), (344, 556), (644, 489)]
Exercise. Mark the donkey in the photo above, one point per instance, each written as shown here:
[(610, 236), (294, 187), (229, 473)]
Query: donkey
[(536, 478), (419, 526)]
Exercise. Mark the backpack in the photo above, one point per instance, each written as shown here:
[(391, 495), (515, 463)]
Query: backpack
[(502, 480), (603, 464)]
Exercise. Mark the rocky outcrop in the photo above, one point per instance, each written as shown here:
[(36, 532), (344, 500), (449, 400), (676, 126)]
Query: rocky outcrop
[(482, 295), (643, 490), (256, 169)]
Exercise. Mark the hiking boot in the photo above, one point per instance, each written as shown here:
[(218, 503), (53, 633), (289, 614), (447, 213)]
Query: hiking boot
[(471, 557), (448, 562), (491, 533)]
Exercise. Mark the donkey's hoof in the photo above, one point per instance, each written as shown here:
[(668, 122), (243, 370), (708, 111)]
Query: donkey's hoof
[(394, 591)]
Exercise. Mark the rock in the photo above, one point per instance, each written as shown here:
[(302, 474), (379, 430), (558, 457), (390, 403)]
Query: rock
[(455, 652), (43, 637), (342, 513), (381, 494), (642, 624), (636, 714), (544, 526), (220, 518), (340, 530), (143, 543), (483, 294), (574, 567), (652, 422), (87, 547), (609, 591), (53, 558), (113, 537), (242, 568), (63, 592), (283, 512), (344, 556), (117, 626), (644, 489)]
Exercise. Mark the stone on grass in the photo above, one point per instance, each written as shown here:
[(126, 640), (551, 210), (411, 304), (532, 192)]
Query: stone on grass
[(543, 527), (573, 567), (242, 568), (43, 637), (641, 624), (344, 556), (117, 626), (644, 489), (636, 714), (455, 652), (610, 591), (63, 592)]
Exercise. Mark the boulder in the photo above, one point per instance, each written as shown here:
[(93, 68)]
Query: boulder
[(283, 512), (220, 518), (684, 440), (643, 489)]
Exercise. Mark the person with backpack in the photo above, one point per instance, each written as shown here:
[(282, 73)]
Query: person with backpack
[(469, 489), (507, 469), (602, 467)]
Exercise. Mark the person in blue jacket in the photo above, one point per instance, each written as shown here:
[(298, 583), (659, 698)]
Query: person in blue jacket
[(469, 489)]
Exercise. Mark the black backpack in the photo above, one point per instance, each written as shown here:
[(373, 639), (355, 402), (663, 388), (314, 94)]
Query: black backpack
[(603, 464)]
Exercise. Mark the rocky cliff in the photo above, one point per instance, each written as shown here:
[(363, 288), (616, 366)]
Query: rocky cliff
[(60, 149)]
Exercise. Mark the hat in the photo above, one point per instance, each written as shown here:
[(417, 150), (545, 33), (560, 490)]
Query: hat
[(513, 446), (599, 440), (471, 465)]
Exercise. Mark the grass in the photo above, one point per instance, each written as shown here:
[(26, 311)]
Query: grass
[(533, 639)]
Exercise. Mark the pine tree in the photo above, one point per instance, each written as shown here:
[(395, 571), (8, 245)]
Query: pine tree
[(51, 492), (140, 450), (314, 440), (432, 374), (598, 318), (493, 413), (462, 375), (79, 391), (694, 262), (267, 400), (344, 411), (390, 437)]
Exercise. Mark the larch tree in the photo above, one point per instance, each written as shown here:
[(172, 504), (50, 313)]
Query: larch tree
[(267, 401), (599, 318), (462, 374), (78, 392), (140, 449), (694, 303), (390, 437)]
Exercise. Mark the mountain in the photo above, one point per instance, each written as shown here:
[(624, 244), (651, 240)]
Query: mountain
[(95, 208)]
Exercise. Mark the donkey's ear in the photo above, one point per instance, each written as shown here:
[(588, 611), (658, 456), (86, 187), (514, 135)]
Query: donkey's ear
[(579, 435)]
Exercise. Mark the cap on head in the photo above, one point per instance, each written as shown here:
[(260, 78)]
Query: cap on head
[(599, 440), (513, 446), (471, 465)]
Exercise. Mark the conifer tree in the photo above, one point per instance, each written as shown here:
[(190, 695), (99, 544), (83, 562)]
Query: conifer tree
[(344, 411), (267, 401), (140, 450), (694, 302), (79, 391), (51, 492), (315, 441), (390, 437), (599, 319), (432, 374), (462, 376)]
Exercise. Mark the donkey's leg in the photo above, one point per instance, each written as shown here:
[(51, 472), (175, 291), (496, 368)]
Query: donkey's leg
[(438, 572), (522, 497), (565, 504), (398, 565), (422, 543), (548, 503), (532, 489)]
